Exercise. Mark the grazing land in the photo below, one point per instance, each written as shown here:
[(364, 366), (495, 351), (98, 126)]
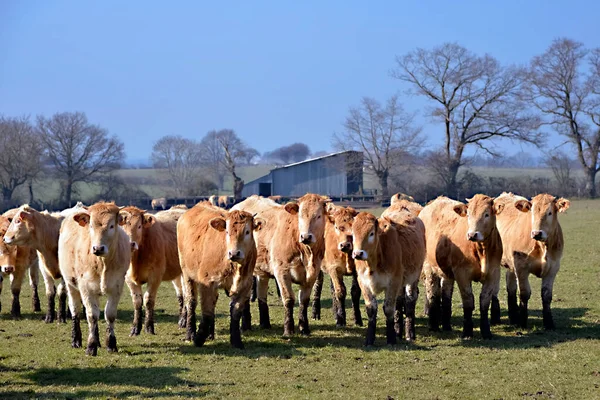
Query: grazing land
[(36, 360)]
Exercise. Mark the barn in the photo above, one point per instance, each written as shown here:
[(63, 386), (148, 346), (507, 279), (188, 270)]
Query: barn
[(337, 174)]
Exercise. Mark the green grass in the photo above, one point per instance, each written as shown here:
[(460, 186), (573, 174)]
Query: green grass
[(36, 360)]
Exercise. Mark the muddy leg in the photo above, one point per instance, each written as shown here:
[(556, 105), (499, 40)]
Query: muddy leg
[(51, 296), (410, 303), (136, 298), (34, 280), (62, 302), (262, 287), (110, 315), (74, 298), (316, 303), (355, 293), (547, 285), (339, 300), (466, 293), (288, 299), (150, 303), (208, 300), (433, 292), (178, 285), (511, 289), (447, 290), (524, 296), (191, 301)]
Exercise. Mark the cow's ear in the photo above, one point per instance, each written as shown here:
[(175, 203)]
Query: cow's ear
[(523, 205), (149, 220), (218, 224), (82, 218), (292, 208), (352, 211), (259, 223), (24, 215), (122, 219), (460, 209), (384, 224), (329, 207), (562, 204), (498, 207)]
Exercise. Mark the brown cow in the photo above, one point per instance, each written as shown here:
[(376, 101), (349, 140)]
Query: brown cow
[(337, 263), (533, 244), (411, 231), (223, 201), (94, 255), (291, 249), (154, 260), (216, 249), (40, 231), (462, 249), (160, 202), (401, 196), (14, 262), (377, 252)]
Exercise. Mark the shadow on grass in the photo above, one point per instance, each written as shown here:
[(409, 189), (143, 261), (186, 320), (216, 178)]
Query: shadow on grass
[(109, 394)]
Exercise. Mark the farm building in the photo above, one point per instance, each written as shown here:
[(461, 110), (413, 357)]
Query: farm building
[(337, 174)]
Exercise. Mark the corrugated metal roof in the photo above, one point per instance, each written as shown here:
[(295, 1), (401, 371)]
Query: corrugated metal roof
[(317, 158)]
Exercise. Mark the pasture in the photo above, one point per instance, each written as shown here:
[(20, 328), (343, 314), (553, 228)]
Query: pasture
[(37, 361)]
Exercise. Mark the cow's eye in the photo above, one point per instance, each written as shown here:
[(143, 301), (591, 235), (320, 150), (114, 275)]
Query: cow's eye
[(372, 234), (18, 221), (318, 217), (341, 229)]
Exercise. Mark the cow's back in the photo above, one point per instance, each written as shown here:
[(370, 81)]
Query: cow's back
[(411, 235)]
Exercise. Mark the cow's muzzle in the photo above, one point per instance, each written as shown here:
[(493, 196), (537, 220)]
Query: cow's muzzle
[(474, 236), (7, 269), (345, 247), (8, 240), (99, 250), (306, 238), (538, 235), (235, 255), (359, 255)]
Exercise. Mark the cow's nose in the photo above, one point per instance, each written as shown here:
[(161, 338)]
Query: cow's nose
[(234, 255), (98, 250), (7, 240), (536, 235), (472, 236), (358, 254), (306, 238), (134, 246), (345, 247), (8, 269)]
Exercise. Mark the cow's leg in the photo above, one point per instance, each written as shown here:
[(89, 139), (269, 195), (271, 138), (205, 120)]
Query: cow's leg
[(490, 286), (211, 326), (511, 289), (524, 295), (239, 302), (150, 304), (1, 280), (110, 314), (247, 316), (433, 292), (50, 295), (371, 306), (339, 299), (16, 280), (547, 285), (262, 288), (178, 285), (34, 279), (355, 294), (398, 313), (466, 293), (208, 301), (137, 299), (254, 294), (191, 301), (316, 303), (447, 291), (410, 303), (92, 309), (62, 302), (304, 296), (287, 296), (74, 302), (389, 309)]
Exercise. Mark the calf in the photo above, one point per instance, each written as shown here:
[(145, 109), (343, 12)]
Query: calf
[(533, 244), (377, 252), (337, 263), (160, 202), (216, 249), (411, 232), (463, 244), (291, 249), (154, 260), (40, 231), (223, 201), (94, 254), (14, 262)]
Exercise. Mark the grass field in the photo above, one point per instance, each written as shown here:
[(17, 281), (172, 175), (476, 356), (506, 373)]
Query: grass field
[(36, 360)]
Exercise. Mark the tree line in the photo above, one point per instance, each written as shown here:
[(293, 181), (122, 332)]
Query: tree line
[(472, 99)]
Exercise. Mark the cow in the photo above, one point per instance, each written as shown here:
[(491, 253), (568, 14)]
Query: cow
[(411, 231), (40, 231), (377, 251), (213, 200), (160, 202), (290, 249), (276, 199), (401, 196), (337, 263), (216, 249), (533, 244), (94, 255), (223, 201), (15, 261), (463, 244), (154, 259)]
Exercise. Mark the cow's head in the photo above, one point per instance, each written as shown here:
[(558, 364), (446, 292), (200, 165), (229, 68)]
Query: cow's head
[(544, 209), (102, 220), (21, 228), (135, 221), (238, 226), (366, 230), (311, 211), (8, 253), (481, 214), (342, 219)]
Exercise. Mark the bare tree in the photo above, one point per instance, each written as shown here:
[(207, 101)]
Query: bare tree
[(21, 150), (473, 96), (561, 166), (182, 158), (250, 154), (78, 150), (233, 152), (212, 158), (384, 133), (569, 99)]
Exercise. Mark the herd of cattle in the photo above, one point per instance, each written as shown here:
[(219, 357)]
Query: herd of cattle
[(93, 251)]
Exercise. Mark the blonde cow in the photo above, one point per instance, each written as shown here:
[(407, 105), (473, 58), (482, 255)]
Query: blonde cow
[(161, 203), (154, 259), (463, 245), (94, 255), (533, 244)]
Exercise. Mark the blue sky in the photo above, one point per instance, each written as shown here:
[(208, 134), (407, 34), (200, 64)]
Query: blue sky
[(277, 72)]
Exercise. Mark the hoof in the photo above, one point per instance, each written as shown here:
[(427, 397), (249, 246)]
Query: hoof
[(91, 350)]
